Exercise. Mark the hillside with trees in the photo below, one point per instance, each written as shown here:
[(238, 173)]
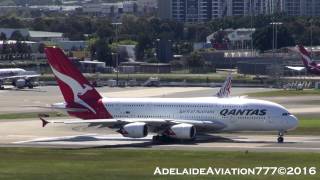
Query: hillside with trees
[(145, 31)]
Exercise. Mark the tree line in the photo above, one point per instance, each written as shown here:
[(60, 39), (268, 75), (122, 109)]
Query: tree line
[(145, 30)]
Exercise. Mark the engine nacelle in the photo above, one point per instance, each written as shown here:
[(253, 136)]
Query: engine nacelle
[(134, 130), (181, 131), (20, 83)]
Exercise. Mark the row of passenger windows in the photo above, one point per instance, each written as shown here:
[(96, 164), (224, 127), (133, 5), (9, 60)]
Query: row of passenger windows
[(142, 116), (188, 117), (244, 117), (173, 105)]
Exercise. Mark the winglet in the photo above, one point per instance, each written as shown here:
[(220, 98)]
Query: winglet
[(44, 122)]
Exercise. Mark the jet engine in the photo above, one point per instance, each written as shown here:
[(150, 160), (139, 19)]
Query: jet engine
[(134, 130), (20, 83), (181, 131)]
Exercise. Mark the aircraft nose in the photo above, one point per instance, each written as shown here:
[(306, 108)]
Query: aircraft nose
[(293, 122)]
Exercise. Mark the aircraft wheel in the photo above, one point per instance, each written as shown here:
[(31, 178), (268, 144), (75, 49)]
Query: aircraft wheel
[(280, 139), (156, 139)]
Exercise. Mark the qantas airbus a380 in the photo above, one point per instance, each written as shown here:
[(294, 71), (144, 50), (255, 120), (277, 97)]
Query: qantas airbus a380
[(178, 118)]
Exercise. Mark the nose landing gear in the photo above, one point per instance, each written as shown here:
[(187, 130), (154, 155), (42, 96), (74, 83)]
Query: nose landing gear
[(280, 137)]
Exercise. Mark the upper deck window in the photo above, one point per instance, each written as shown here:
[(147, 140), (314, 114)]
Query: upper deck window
[(285, 114)]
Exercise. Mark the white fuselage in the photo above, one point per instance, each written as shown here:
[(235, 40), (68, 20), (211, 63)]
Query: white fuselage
[(237, 114), (11, 72)]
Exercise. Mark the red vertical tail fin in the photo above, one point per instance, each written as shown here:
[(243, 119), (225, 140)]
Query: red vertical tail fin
[(75, 88), (305, 55)]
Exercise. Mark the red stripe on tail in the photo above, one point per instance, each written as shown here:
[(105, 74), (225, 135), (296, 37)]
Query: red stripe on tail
[(305, 55)]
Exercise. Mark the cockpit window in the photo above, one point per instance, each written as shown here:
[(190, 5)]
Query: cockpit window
[(285, 114)]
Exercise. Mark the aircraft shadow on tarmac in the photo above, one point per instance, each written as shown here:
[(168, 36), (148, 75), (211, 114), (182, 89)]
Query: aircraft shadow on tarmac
[(32, 90), (25, 90), (148, 143)]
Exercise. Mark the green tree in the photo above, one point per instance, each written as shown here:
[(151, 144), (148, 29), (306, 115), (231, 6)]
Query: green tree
[(39, 24), (41, 48), (58, 2), (104, 30), (144, 43), (103, 52), (92, 47), (263, 38), (3, 36), (16, 35), (12, 22), (195, 60)]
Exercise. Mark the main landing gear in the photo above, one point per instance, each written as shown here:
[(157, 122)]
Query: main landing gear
[(1, 85), (159, 139), (280, 137)]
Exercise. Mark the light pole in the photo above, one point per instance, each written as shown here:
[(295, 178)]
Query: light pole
[(275, 35), (274, 47), (311, 37), (251, 19), (117, 63)]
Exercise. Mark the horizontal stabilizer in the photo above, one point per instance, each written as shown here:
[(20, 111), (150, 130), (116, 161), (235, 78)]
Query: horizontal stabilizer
[(296, 68), (44, 122), (61, 108)]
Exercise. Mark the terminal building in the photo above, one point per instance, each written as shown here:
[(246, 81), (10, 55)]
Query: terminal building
[(232, 39)]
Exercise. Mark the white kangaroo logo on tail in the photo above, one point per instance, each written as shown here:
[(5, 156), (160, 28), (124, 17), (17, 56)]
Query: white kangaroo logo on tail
[(76, 88)]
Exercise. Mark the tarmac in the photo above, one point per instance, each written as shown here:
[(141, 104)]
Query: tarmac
[(29, 133)]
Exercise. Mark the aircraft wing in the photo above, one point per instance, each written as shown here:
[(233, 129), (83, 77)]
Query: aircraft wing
[(159, 123), (296, 68)]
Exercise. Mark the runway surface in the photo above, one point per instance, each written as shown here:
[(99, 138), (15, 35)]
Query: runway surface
[(29, 133)]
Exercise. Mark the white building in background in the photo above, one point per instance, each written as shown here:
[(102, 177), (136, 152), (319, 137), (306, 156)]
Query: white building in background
[(236, 38), (45, 36), (49, 38), (8, 31), (33, 35)]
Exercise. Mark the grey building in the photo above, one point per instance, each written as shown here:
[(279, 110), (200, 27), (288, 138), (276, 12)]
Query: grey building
[(237, 7), (301, 7), (191, 10), (204, 10), (289, 7)]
